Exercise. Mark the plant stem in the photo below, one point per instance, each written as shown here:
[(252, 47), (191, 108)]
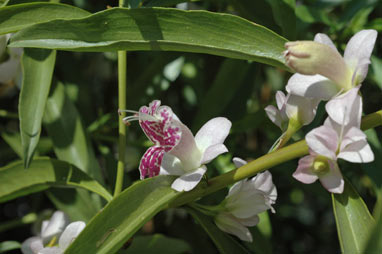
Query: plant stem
[(267, 161), (122, 127)]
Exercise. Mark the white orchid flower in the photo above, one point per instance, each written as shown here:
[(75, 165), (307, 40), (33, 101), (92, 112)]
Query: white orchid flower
[(245, 200), (187, 158), (55, 228), (292, 111), (327, 144), (322, 71)]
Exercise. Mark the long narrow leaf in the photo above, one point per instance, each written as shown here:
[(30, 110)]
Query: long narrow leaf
[(123, 216), (158, 29), (43, 173), (16, 17), (353, 220), (38, 65)]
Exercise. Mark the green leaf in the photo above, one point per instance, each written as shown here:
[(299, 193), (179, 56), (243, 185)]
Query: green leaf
[(217, 98), (43, 173), (16, 17), (225, 243), (38, 65), (157, 244), (159, 29), (8, 246), (353, 219), (70, 140), (374, 243), (124, 215), (165, 3)]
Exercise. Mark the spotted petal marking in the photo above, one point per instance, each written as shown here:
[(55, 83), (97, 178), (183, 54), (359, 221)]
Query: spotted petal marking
[(161, 128), (151, 161)]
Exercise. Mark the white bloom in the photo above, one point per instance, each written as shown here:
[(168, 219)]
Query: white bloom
[(245, 200), (187, 158), (51, 230)]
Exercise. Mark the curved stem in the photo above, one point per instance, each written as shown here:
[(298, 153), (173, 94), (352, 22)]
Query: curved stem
[(121, 126), (267, 161)]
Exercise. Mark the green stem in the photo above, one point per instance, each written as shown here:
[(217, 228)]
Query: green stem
[(267, 161), (122, 127)]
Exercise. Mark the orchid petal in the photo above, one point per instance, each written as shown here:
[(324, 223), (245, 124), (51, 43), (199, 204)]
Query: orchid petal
[(311, 86), (32, 245), (235, 190), (354, 147), (239, 162), (274, 115), (51, 250), (358, 52), (263, 181), (171, 165), (323, 141), (188, 181), (301, 108), (186, 150), (71, 232), (324, 39), (303, 172), (151, 160), (56, 226), (280, 99), (212, 152), (333, 180), (249, 222), (44, 224), (227, 223), (213, 132), (346, 109), (242, 208)]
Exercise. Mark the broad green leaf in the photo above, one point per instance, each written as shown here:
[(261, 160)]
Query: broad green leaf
[(8, 246), (43, 173), (38, 65), (217, 98), (124, 215), (157, 243), (159, 29), (14, 141), (374, 243), (68, 134), (16, 17), (225, 243), (165, 3), (353, 220)]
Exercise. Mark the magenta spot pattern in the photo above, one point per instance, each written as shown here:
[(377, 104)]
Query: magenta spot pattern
[(164, 132)]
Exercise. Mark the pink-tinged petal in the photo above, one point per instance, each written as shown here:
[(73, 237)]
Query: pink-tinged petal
[(323, 141), (32, 245), (212, 152), (358, 52), (274, 115), (51, 250), (248, 203), (171, 165), (189, 181), (324, 39), (70, 234), (263, 181), (44, 225), (303, 172), (312, 86), (333, 180), (56, 226), (239, 162), (301, 108), (212, 133), (249, 222), (229, 224), (235, 190), (346, 109), (151, 161), (354, 147), (186, 150), (280, 99)]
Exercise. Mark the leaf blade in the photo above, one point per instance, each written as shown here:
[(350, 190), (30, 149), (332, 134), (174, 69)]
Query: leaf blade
[(159, 29)]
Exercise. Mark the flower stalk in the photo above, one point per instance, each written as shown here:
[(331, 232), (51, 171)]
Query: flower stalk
[(267, 161)]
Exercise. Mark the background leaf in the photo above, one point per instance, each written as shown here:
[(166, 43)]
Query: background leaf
[(353, 219), (374, 243), (224, 242), (38, 65), (16, 17), (8, 246), (159, 29), (124, 215), (43, 173)]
